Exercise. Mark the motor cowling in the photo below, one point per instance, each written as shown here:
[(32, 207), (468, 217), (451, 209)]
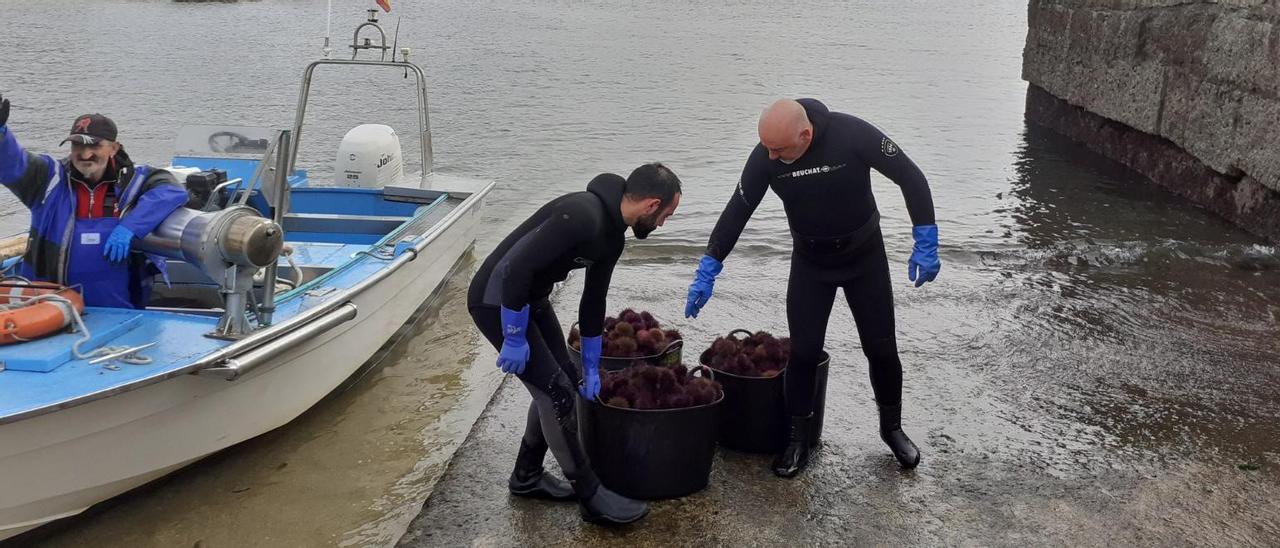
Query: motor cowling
[(369, 157)]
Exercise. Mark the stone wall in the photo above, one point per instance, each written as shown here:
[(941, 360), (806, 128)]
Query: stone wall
[(1187, 81)]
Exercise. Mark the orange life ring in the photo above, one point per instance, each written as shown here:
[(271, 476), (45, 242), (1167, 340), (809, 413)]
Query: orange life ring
[(32, 321)]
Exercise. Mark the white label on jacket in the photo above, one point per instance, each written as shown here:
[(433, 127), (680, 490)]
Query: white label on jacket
[(90, 238)]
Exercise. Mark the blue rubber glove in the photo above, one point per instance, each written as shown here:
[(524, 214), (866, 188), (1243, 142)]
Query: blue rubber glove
[(515, 347), (117, 246), (923, 266), (590, 388), (700, 290)]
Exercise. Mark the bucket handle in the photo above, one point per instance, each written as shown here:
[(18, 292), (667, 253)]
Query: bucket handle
[(678, 343), (706, 371), (740, 330)]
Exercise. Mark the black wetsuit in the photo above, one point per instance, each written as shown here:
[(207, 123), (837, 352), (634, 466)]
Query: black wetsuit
[(577, 230), (835, 228)]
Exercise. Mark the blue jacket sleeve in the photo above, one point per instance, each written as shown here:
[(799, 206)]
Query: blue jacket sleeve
[(163, 198), (24, 173)]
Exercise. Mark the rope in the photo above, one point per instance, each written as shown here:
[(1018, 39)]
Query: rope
[(377, 256), (297, 272)]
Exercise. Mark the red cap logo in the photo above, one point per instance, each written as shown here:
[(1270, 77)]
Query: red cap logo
[(82, 125)]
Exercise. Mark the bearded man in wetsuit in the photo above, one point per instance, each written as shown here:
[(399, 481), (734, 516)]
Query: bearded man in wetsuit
[(818, 162), (508, 299)]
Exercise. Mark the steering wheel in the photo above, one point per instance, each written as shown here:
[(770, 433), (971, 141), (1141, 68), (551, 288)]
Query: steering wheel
[(230, 142)]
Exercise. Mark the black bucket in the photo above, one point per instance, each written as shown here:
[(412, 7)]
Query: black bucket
[(670, 356), (650, 453), (754, 415)]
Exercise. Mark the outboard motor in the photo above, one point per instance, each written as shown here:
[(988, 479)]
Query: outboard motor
[(229, 246), (369, 157)]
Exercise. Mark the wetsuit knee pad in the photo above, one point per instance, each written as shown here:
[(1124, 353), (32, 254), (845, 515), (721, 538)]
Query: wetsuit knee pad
[(562, 398)]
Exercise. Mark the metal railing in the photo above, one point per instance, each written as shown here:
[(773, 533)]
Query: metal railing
[(424, 122)]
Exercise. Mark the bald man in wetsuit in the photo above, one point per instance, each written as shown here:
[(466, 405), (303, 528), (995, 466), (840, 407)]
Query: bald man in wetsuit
[(508, 299), (818, 162)]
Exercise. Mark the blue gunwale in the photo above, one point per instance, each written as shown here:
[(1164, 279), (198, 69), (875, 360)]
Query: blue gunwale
[(386, 240)]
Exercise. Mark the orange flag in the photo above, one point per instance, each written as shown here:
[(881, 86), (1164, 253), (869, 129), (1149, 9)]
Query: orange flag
[(385, 5)]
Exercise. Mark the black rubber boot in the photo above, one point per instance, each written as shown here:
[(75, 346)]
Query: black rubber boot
[(604, 507), (795, 455), (904, 450), (529, 479), (553, 414)]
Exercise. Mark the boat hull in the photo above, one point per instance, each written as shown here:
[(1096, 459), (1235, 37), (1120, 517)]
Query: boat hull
[(58, 464)]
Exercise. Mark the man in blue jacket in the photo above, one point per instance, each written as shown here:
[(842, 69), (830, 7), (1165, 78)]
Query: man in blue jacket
[(87, 210)]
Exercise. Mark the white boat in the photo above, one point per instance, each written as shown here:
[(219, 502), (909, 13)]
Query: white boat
[(224, 369)]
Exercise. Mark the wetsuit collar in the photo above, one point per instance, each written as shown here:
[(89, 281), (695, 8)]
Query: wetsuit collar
[(817, 113), (608, 188)]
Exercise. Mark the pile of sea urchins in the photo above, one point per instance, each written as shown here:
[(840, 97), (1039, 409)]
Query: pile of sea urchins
[(644, 386), (759, 355), (630, 335)]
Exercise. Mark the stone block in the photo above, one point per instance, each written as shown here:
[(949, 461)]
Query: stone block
[(1100, 38), (1047, 41), (1122, 92), (1257, 208), (1131, 5), (1090, 58), (1202, 117), (1258, 139), (1184, 91), (1176, 37), (1047, 26), (1231, 131), (1248, 4), (1119, 4), (1244, 51)]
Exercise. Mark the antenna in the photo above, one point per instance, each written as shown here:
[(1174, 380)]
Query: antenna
[(395, 40), (328, 20)]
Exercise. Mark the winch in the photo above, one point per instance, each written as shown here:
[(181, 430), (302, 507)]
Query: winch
[(232, 244), (229, 246)]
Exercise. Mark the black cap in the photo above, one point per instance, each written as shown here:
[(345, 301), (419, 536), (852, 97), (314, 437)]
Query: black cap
[(89, 129)]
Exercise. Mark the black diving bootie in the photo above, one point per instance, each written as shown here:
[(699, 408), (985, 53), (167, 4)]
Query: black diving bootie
[(529, 479), (795, 454), (904, 450), (604, 507)]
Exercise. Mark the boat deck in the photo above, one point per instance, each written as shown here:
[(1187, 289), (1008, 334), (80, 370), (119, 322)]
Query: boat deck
[(180, 336), (41, 375)]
